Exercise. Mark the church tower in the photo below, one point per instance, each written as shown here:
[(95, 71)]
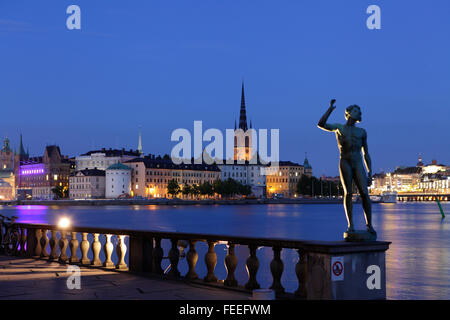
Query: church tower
[(6, 156), (242, 136)]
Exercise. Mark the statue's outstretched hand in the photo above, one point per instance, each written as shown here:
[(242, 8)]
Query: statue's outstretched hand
[(332, 106)]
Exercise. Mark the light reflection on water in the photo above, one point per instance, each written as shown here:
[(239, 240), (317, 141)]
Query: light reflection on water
[(418, 261)]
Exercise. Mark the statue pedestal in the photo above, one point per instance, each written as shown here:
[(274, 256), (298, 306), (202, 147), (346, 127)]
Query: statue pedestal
[(344, 270), (359, 236)]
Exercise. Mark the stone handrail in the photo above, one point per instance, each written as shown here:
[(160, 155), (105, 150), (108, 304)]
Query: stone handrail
[(146, 253)]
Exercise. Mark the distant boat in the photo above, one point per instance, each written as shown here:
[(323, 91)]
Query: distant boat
[(389, 197), (375, 199)]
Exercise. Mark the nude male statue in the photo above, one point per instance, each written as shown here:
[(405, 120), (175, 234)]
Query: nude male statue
[(351, 141)]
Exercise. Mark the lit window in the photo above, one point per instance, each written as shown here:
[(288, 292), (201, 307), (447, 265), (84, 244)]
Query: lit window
[(55, 177)]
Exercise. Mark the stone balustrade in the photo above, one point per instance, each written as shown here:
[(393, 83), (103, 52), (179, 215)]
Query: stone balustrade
[(145, 254)]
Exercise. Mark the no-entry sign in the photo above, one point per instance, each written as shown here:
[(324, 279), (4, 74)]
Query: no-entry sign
[(337, 268)]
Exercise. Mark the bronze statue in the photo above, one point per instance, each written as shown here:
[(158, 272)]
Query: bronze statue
[(351, 141)]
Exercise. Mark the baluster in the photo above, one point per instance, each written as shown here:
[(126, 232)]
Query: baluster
[(301, 271), (157, 257), (96, 247), (231, 262), (84, 249), (44, 244), (37, 248), (192, 257), (23, 241), (108, 250), (252, 264), (121, 249), (73, 248), (53, 246), (211, 261), (277, 267), (174, 256), (63, 244)]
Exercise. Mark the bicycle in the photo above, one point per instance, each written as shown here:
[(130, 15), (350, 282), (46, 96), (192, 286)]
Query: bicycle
[(9, 239)]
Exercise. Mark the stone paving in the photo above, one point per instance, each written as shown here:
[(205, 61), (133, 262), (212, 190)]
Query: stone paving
[(22, 278)]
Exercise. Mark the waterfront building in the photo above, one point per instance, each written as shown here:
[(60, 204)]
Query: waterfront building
[(7, 178), (435, 184), (284, 179), (87, 184), (7, 185), (431, 178), (39, 175), (102, 159), (151, 175), (247, 174), (117, 181)]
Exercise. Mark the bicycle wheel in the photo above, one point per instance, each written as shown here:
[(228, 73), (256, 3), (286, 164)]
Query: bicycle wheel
[(13, 243)]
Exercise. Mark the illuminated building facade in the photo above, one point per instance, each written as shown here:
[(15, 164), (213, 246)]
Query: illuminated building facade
[(87, 184), (431, 178), (40, 175), (150, 175), (7, 180), (284, 180)]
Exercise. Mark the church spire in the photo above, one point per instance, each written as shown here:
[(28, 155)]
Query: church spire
[(243, 115), (140, 142), (21, 148)]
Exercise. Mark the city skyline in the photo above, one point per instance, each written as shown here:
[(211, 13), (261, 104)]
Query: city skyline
[(135, 66)]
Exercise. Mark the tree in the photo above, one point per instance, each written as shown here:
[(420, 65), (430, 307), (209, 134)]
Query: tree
[(206, 189), (245, 189), (60, 192), (186, 190), (173, 188), (195, 190)]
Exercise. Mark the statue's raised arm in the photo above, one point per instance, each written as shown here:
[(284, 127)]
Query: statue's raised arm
[(322, 124)]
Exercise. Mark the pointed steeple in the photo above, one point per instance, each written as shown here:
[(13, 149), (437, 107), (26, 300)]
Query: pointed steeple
[(306, 164), (243, 115), (140, 142), (21, 148)]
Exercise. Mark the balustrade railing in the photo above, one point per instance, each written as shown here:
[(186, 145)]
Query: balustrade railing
[(145, 253)]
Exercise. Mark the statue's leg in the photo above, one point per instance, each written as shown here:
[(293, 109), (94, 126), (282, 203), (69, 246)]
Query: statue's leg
[(360, 177), (345, 171)]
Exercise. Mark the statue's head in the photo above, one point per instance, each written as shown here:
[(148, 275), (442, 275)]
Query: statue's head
[(354, 112)]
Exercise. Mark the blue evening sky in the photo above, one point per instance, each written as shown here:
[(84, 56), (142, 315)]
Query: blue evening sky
[(163, 64)]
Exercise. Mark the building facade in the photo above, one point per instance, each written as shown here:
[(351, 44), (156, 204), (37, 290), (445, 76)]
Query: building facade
[(284, 179), (87, 184), (118, 181), (39, 175), (102, 159), (247, 174), (150, 175)]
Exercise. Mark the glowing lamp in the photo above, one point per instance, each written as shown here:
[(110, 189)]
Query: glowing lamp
[(64, 223)]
